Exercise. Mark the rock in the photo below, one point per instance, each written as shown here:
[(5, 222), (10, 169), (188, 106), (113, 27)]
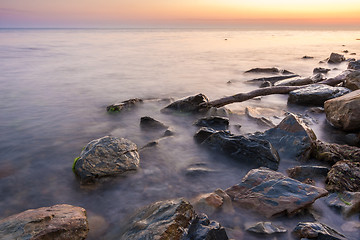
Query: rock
[(220, 112), (345, 51), (264, 228), (291, 138), (264, 116), (269, 70), (203, 133), (265, 84), (148, 123), (125, 105), (321, 70), (344, 112), (247, 149), (212, 202), (271, 193), (347, 202), (301, 173), (336, 58), (352, 53), (272, 79), (332, 152), (189, 104), (316, 94), (301, 81), (317, 230), (352, 139), (355, 65), (168, 133), (352, 81), (106, 156), (316, 110), (59, 222), (344, 176), (198, 169), (307, 57), (214, 122)]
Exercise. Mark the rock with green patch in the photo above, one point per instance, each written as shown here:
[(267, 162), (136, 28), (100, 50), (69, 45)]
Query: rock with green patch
[(344, 176), (347, 202), (187, 105), (125, 105)]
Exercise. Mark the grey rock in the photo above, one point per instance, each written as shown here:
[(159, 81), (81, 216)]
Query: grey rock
[(355, 65), (203, 133), (301, 173), (347, 202), (269, 70), (336, 58), (265, 228), (148, 123), (106, 156), (187, 105), (317, 230), (59, 222), (352, 81), (321, 70), (344, 176), (125, 105), (214, 122)]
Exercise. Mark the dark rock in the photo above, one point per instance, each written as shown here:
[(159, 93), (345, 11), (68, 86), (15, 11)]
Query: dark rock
[(272, 79), (269, 70), (125, 105), (352, 139), (355, 65), (203, 133), (248, 149), (345, 51), (202, 228), (265, 228), (150, 144), (332, 152), (307, 57), (106, 156), (189, 104), (317, 230), (301, 173), (148, 123), (347, 202), (291, 138), (168, 133), (60, 222), (352, 53), (321, 70), (344, 112), (214, 122), (265, 84), (272, 193), (316, 94), (336, 58), (351, 60), (344, 176), (352, 81)]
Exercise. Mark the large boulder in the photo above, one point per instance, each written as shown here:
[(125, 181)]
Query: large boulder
[(316, 94), (189, 104), (106, 156), (59, 222), (344, 176), (344, 112), (272, 193), (336, 58), (291, 138), (317, 230), (125, 105), (352, 81), (355, 65)]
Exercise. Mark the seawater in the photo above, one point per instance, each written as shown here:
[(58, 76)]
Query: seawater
[(55, 85)]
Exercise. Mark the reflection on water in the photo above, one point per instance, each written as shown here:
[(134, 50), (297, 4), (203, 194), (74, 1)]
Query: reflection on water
[(55, 85)]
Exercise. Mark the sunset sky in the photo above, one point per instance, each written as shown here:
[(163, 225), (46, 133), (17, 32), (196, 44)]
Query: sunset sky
[(120, 13)]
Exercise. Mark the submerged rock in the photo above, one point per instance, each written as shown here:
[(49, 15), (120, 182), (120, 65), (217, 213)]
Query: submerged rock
[(332, 152), (352, 81), (301, 173), (189, 104), (347, 202), (344, 112), (321, 70), (125, 105), (61, 222), (272, 193), (344, 176), (355, 65), (148, 123), (317, 230), (214, 122), (316, 94), (336, 58), (265, 228), (268, 70), (106, 156), (203, 133)]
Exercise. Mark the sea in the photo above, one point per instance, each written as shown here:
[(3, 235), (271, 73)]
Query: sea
[(55, 85)]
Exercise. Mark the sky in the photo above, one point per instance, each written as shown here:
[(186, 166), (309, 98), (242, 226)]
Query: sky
[(122, 13)]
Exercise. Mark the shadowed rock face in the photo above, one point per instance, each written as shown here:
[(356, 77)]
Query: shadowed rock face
[(189, 104), (148, 123), (352, 80), (336, 58), (215, 122), (106, 156), (344, 176), (317, 230), (272, 193), (59, 222), (303, 172), (354, 65)]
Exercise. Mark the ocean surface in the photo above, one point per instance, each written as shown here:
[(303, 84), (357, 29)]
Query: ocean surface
[(55, 85)]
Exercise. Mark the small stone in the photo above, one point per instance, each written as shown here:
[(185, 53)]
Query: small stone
[(336, 58), (269, 70), (307, 57), (203, 133), (321, 70), (352, 80)]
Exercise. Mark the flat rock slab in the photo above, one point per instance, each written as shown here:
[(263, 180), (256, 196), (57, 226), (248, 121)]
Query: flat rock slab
[(214, 122), (344, 112), (59, 222), (264, 228), (270, 70), (271, 193), (187, 105), (317, 230), (316, 94), (106, 156), (291, 138), (344, 176), (347, 202)]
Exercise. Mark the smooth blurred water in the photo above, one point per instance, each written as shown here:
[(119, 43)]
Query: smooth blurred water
[(55, 85)]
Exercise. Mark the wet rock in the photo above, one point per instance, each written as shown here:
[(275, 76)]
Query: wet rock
[(202, 228), (247, 149), (203, 133), (125, 105), (317, 230), (301, 173), (264, 228), (344, 112), (352, 81), (291, 138), (344, 176), (336, 58), (307, 57), (61, 222), (106, 156), (355, 65), (332, 152), (347, 202), (272, 193), (316, 94), (214, 122), (148, 123), (269, 70), (321, 70), (189, 104), (220, 112), (212, 202)]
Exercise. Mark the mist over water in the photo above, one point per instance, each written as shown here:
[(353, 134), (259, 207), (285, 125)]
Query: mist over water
[(55, 86)]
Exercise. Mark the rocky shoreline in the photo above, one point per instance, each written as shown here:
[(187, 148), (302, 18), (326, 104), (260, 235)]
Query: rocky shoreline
[(263, 191)]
